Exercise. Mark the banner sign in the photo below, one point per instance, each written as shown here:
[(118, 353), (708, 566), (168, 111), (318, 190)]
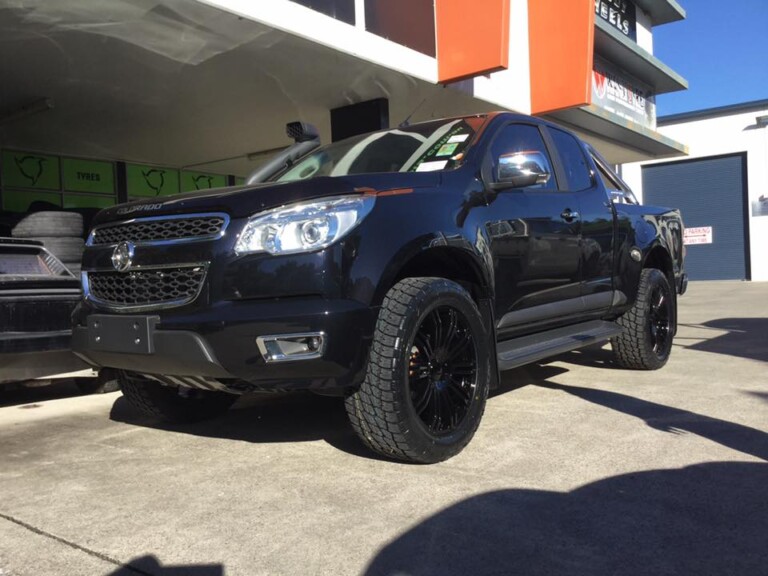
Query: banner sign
[(191, 181), (621, 14), (30, 170), (700, 235), (88, 176), (621, 95), (151, 180)]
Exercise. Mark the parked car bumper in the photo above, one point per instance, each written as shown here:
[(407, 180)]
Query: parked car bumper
[(220, 346)]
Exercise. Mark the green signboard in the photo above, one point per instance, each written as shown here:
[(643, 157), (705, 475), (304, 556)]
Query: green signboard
[(85, 201), (20, 200), (191, 181), (151, 180), (239, 181), (30, 170), (88, 176)]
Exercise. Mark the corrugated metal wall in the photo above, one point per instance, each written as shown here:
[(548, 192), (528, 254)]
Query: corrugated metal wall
[(709, 192)]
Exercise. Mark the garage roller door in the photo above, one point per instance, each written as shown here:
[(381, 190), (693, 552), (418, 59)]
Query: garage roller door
[(710, 193)]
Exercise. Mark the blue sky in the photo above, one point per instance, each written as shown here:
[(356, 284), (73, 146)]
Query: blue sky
[(721, 48)]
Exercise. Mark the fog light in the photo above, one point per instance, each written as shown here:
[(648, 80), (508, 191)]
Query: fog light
[(289, 347)]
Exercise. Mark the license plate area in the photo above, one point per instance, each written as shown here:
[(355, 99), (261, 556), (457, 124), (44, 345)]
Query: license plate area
[(124, 334)]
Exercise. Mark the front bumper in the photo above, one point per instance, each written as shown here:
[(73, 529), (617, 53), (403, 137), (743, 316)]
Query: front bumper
[(220, 343)]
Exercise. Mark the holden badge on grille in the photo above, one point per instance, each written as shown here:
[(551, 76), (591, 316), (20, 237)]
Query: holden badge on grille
[(122, 256)]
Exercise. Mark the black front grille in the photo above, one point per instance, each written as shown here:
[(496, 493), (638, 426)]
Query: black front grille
[(163, 286), (154, 230)]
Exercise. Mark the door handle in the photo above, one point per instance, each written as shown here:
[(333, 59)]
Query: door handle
[(569, 215)]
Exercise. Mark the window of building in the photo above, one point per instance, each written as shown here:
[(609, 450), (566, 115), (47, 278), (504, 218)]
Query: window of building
[(410, 23), (343, 10)]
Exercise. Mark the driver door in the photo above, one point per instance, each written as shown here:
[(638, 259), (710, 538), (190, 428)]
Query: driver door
[(534, 237)]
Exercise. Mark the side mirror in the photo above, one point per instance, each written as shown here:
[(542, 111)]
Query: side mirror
[(521, 169)]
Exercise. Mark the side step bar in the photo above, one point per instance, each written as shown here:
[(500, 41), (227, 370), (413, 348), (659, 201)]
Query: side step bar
[(527, 349)]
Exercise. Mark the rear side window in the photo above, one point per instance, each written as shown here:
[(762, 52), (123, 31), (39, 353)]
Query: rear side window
[(574, 161), (523, 138)]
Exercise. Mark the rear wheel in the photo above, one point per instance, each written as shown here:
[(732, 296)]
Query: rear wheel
[(428, 373), (174, 404), (649, 325)]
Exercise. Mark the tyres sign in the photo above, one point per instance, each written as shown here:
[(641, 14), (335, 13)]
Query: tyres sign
[(88, 176), (30, 170), (151, 180), (191, 181)]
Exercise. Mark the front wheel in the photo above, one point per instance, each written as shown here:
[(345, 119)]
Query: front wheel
[(171, 403), (649, 325), (427, 376)]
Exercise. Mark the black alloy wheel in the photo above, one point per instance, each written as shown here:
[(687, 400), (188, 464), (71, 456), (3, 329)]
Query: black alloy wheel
[(659, 321), (442, 372), (428, 373)]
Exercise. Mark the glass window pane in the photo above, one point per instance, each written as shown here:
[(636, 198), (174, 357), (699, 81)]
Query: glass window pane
[(574, 161), (410, 23), (343, 10)]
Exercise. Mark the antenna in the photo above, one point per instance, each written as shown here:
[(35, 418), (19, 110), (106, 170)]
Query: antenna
[(406, 122)]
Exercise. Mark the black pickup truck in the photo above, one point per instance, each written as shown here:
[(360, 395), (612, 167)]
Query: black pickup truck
[(400, 270)]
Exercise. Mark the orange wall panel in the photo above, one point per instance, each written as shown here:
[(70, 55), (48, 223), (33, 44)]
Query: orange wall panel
[(472, 38), (561, 39)]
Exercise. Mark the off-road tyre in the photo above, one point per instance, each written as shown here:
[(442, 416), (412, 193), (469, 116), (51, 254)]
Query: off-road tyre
[(173, 404), (383, 410), (646, 342), (64, 248), (49, 223)]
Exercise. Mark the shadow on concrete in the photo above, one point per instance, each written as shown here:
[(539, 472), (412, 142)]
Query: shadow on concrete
[(595, 356), (744, 439), (761, 395), (512, 380), (295, 417), (745, 338), (16, 395), (704, 519), (150, 566)]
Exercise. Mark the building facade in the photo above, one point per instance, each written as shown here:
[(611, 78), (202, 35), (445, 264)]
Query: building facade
[(721, 188), (108, 101)]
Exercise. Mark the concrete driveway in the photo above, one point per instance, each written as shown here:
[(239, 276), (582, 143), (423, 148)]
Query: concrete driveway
[(578, 468)]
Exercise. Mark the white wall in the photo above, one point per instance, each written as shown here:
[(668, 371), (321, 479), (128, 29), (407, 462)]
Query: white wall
[(509, 88), (727, 135), (644, 33)]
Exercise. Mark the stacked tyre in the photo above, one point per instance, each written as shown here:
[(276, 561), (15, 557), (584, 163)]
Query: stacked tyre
[(60, 232)]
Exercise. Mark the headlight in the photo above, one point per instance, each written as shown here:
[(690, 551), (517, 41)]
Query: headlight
[(305, 226)]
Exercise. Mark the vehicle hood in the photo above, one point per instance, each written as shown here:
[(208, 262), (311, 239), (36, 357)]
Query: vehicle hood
[(243, 201)]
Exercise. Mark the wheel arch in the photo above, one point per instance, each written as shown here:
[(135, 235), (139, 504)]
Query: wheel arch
[(450, 263), (658, 257), (463, 267)]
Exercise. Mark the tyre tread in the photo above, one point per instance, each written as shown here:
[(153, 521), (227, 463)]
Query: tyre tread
[(373, 410), (631, 348)]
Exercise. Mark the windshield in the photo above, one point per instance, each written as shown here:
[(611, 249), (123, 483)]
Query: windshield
[(424, 147)]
